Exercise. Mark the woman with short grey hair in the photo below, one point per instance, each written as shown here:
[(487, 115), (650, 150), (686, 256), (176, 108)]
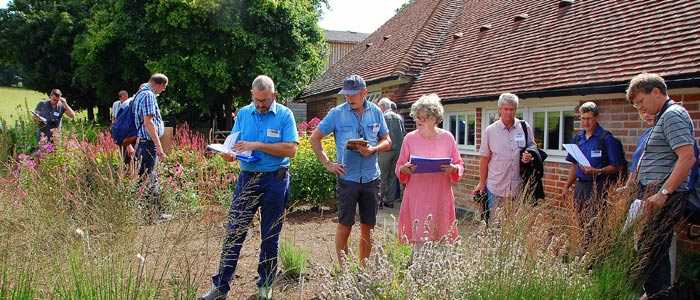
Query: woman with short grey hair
[(428, 197)]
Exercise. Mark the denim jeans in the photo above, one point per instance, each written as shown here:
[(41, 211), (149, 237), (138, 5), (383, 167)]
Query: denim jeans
[(254, 191), (147, 171)]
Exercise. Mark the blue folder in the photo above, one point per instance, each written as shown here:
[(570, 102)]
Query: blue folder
[(429, 165)]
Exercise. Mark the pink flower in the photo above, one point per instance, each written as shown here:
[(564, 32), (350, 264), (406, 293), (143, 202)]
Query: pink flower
[(49, 147), (315, 121), (303, 125), (23, 156)]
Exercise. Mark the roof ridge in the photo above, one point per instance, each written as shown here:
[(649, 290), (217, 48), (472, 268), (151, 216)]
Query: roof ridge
[(429, 39)]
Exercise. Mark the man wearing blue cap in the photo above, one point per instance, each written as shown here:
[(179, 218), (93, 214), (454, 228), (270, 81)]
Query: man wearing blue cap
[(357, 167)]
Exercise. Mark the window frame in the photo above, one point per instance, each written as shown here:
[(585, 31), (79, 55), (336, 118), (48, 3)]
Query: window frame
[(562, 134), (465, 114)]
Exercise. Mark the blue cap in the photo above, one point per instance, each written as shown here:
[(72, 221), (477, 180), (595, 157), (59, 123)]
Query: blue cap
[(352, 85)]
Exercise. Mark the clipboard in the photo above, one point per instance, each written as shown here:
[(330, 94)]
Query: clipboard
[(43, 120), (429, 165)]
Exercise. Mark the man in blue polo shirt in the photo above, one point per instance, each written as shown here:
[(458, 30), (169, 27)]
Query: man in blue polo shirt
[(357, 168), (593, 181), (266, 128), (150, 123)]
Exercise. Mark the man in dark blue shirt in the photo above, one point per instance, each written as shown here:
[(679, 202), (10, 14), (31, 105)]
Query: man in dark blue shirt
[(593, 181)]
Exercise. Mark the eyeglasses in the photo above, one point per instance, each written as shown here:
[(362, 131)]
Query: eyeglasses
[(419, 118), (361, 132), (263, 101), (637, 102)]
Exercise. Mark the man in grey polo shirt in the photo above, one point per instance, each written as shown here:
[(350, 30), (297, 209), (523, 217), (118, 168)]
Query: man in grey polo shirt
[(663, 170)]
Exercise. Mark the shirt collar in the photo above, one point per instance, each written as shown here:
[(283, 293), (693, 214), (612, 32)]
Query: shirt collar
[(502, 125), (365, 105)]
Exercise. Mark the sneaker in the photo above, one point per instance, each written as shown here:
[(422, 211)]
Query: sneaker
[(165, 217), (214, 294), (265, 293), (389, 204)]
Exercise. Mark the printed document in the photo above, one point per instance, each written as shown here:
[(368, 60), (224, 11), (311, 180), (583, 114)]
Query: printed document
[(576, 153), (227, 147)]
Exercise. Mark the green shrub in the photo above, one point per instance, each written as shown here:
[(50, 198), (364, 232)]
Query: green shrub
[(310, 182)]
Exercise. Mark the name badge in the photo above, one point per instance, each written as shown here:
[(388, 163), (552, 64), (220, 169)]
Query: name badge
[(519, 137), (273, 133), (56, 113), (375, 128), (596, 153)]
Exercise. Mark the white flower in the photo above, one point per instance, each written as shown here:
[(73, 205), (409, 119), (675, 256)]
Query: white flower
[(140, 257), (79, 232)]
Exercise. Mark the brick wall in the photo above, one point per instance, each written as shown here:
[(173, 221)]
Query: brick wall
[(320, 108)]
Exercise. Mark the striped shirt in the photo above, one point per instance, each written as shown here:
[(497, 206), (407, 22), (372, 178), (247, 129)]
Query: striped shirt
[(147, 104), (673, 129)]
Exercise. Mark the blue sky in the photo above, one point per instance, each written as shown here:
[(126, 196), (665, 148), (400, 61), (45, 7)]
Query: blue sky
[(350, 15)]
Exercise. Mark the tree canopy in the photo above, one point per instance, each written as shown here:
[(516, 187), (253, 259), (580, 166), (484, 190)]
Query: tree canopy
[(210, 49)]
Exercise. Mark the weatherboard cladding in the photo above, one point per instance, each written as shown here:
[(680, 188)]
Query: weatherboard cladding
[(587, 43)]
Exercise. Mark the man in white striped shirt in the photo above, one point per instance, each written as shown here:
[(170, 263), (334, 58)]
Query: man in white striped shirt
[(664, 166)]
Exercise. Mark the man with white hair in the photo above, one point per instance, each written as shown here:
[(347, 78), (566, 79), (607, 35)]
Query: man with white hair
[(501, 145), (387, 159)]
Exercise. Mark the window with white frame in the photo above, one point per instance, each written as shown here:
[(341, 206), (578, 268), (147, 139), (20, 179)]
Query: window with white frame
[(373, 96), (462, 125), (552, 127), (490, 117)]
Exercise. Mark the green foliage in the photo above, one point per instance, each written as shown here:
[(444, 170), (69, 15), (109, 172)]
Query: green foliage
[(309, 181), (689, 270), (293, 258)]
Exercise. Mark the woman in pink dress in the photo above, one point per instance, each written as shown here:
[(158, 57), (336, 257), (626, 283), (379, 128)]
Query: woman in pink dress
[(428, 195)]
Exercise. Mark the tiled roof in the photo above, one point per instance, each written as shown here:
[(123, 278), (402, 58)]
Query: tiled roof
[(390, 50), (345, 36), (593, 42)]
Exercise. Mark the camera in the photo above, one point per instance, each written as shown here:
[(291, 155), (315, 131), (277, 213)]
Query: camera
[(480, 198)]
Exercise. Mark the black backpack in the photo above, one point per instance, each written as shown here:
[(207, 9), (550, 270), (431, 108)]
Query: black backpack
[(625, 172)]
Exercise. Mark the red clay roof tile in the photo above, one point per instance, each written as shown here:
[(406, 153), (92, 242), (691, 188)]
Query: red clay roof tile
[(594, 42)]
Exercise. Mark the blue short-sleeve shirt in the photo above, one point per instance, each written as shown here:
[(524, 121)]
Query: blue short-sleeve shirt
[(277, 125), (590, 149), (347, 125)]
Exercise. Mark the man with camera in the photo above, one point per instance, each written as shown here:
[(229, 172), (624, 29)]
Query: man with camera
[(49, 114)]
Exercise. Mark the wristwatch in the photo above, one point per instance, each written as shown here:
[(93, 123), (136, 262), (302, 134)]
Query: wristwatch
[(665, 192)]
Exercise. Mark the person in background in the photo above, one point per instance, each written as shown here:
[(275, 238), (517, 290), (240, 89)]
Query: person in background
[(428, 197), (117, 105), (357, 169), (266, 128), (127, 152), (49, 114), (663, 175), (395, 109), (150, 124), (387, 159), (499, 166)]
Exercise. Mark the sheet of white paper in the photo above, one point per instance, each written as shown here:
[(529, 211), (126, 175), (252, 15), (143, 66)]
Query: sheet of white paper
[(633, 214), (228, 144), (576, 153)]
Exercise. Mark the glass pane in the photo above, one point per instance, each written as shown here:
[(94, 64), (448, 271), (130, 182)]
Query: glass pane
[(568, 126), (453, 126), (553, 130), (471, 126), (519, 115), (491, 115), (461, 130), (539, 128)]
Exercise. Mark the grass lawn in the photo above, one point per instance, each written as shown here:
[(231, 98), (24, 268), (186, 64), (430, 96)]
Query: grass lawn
[(12, 101)]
